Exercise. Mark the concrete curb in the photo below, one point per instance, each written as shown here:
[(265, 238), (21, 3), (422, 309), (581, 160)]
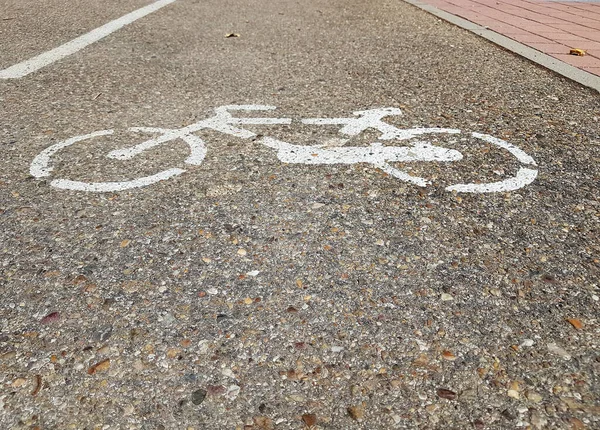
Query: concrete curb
[(582, 77)]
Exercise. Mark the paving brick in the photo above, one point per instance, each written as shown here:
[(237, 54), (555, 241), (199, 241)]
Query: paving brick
[(593, 53), (571, 39), (503, 28), (572, 28), (581, 62), (550, 48), (527, 38), (550, 27), (594, 70)]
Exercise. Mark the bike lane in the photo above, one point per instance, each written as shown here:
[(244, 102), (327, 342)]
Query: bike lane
[(28, 28), (251, 292)]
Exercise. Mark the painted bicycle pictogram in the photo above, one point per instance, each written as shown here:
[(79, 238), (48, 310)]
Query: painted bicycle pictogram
[(376, 154)]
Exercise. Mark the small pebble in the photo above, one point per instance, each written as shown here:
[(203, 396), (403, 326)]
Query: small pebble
[(198, 396), (356, 412)]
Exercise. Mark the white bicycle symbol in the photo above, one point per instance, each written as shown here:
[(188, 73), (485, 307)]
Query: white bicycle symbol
[(376, 154)]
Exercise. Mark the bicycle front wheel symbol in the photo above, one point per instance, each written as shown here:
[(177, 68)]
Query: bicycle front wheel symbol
[(43, 164)]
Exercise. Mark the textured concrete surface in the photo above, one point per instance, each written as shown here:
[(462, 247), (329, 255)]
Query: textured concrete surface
[(251, 294)]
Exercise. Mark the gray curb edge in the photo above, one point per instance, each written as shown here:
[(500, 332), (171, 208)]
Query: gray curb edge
[(582, 77)]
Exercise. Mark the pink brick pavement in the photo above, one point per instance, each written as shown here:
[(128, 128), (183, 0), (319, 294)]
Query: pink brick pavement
[(553, 27)]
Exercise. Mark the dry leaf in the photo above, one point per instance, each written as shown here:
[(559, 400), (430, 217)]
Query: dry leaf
[(309, 419), (299, 283), (228, 35), (38, 385), (577, 51), (248, 301), (242, 252), (446, 394), (125, 243), (447, 355), (99, 367), (575, 323)]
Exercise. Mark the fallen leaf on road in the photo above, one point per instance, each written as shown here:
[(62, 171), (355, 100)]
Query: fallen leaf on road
[(309, 419), (99, 367), (38, 385), (231, 35), (575, 323), (446, 394), (577, 51), (447, 355)]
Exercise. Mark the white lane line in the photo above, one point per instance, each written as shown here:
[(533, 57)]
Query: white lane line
[(33, 64)]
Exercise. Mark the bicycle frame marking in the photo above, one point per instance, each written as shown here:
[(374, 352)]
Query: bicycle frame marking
[(377, 154)]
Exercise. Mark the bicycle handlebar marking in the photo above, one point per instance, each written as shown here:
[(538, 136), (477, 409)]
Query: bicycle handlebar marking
[(377, 154)]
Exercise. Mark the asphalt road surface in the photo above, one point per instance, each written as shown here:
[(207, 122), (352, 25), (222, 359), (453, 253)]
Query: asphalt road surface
[(259, 269)]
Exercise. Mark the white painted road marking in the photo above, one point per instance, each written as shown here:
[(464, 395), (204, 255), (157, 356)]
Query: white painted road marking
[(40, 166), (377, 154), (33, 64)]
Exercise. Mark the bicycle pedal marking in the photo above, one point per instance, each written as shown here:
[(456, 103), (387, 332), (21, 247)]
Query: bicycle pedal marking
[(377, 154)]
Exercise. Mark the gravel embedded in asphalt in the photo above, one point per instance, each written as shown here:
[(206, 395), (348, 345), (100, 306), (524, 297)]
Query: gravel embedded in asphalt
[(251, 294)]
